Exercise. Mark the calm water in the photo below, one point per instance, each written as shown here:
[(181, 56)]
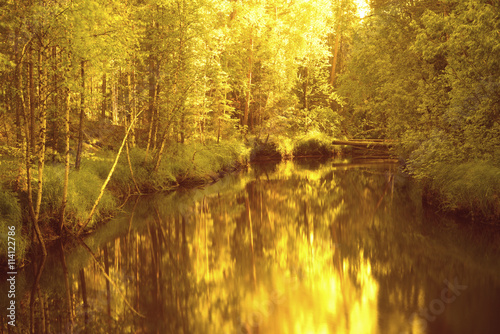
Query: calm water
[(294, 247)]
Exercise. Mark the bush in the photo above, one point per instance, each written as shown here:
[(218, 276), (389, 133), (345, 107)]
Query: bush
[(472, 187), (264, 150), (313, 144)]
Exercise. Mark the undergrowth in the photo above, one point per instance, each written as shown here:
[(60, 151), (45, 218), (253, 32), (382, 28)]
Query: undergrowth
[(10, 220), (284, 147), (471, 187)]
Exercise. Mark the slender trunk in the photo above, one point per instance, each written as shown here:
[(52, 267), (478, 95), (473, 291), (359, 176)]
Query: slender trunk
[(338, 36), (156, 118), (114, 101), (31, 87), (131, 102), (41, 149), (306, 87), (159, 154), (87, 221), (43, 314), (134, 105), (79, 148), (151, 103), (249, 88), (104, 98), (27, 146), (66, 164), (55, 102), (131, 170), (19, 107), (334, 60)]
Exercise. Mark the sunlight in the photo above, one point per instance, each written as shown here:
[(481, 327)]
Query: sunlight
[(363, 8)]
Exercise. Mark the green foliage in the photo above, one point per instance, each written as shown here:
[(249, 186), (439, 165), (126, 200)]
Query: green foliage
[(426, 75), (470, 187), (314, 143), (147, 179), (264, 150), (83, 189), (10, 215), (196, 161)]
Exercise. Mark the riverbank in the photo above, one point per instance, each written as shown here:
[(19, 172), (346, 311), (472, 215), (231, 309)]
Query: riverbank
[(470, 190), (137, 172)]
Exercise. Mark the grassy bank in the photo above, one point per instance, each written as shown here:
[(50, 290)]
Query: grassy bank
[(182, 165), (470, 189), (282, 147)]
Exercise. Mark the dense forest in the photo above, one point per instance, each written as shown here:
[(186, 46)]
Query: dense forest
[(100, 100)]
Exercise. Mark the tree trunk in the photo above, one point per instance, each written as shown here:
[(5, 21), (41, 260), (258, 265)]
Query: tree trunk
[(151, 103), (19, 107), (66, 165), (104, 97), (55, 102), (334, 60), (338, 35), (87, 221), (249, 88), (114, 101), (133, 92), (31, 87), (79, 148), (42, 141)]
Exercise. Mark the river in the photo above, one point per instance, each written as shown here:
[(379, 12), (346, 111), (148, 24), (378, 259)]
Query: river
[(291, 247)]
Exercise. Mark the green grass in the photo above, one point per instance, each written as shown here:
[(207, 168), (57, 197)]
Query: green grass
[(10, 219), (472, 187), (311, 144), (316, 144), (84, 187)]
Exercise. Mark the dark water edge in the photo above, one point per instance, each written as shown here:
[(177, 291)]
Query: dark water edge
[(294, 247)]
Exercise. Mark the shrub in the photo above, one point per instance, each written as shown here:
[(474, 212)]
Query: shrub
[(314, 143), (264, 150), (471, 187)]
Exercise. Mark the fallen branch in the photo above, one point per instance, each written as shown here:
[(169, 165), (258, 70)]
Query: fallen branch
[(87, 221)]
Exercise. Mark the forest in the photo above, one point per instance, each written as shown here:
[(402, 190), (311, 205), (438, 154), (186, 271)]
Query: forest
[(102, 100)]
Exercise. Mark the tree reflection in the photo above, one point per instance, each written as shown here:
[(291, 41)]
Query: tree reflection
[(284, 248)]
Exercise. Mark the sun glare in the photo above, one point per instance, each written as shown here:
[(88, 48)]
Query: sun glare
[(363, 8)]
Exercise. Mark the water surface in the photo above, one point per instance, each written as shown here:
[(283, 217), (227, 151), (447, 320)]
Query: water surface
[(292, 247)]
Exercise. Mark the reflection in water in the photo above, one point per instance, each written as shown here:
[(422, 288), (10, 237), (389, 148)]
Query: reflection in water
[(282, 248)]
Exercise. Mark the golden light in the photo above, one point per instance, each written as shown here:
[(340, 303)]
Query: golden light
[(363, 8)]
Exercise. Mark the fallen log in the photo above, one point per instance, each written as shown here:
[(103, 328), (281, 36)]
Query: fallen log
[(363, 143)]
